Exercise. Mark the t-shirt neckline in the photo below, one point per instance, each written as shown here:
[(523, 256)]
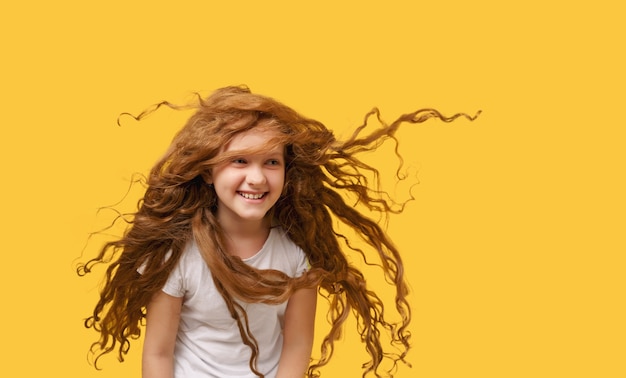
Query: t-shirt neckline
[(263, 248)]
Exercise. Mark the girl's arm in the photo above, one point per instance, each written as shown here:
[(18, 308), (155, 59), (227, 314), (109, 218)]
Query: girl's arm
[(298, 334), (162, 317)]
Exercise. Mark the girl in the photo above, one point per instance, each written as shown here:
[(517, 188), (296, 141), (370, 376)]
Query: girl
[(234, 239)]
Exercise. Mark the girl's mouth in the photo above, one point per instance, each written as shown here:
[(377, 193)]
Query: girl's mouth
[(252, 195)]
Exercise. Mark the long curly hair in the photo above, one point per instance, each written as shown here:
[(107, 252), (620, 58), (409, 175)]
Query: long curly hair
[(321, 173)]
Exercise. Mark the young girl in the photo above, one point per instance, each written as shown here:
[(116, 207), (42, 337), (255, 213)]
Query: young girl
[(234, 239)]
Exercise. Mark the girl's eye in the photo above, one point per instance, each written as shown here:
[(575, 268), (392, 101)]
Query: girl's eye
[(239, 161), (273, 162)]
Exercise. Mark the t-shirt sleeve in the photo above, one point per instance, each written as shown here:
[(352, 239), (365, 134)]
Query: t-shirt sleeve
[(302, 263), (174, 285)]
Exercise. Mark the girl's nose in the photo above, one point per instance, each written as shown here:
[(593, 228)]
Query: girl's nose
[(255, 176)]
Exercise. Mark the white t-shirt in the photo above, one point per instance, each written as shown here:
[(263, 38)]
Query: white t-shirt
[(208, 343)]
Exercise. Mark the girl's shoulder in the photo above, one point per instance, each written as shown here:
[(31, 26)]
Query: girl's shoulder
[(191, 256)]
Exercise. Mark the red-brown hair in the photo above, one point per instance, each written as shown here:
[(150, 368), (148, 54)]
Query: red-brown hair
[(179, 206)]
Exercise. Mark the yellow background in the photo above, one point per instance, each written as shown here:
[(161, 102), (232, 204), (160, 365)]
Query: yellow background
[(514, 246)]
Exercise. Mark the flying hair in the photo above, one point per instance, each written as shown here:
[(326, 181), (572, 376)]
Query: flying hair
[(320, 173)]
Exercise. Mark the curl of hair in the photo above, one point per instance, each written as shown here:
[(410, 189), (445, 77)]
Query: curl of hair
[(179, 206)]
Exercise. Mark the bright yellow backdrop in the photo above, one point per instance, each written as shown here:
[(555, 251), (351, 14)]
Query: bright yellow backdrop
[(514, 247)]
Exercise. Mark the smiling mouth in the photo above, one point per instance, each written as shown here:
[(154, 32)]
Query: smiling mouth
[(252, 196)]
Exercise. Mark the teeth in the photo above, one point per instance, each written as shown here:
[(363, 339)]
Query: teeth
[(252, 196)]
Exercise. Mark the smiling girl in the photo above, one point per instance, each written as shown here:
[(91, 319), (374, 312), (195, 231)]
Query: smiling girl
[(234, 239)]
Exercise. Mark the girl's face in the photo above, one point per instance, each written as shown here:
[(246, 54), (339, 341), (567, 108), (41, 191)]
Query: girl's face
[(250, 184)]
